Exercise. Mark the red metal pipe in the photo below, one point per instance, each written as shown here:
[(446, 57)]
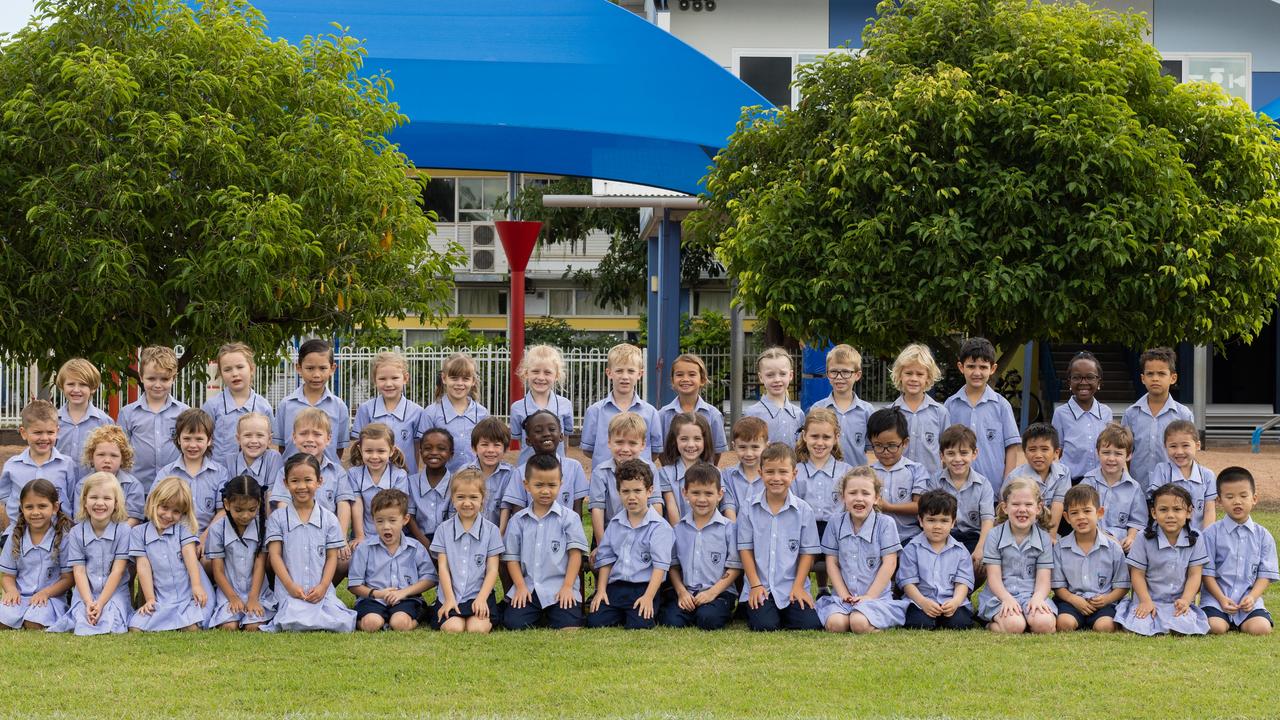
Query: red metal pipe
[(518, 240)]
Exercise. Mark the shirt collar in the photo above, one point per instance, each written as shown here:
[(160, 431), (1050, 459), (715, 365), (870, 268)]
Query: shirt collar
[(717, 518), (651, 516), (153, 533), (64, 415), (974, 478), (380, 408), (441, 488), (866, 532), (928, 401), (1162, 540), (45, 544), (459, 531), (293, 520), (762, 501), (108, 533), (377, 540), (1169, 406), (1248, 524), (1101, 540), (828, 469), (923, 541), (1033, 538), (773, 409), (250, 531), (472, 411), (1078, 412)]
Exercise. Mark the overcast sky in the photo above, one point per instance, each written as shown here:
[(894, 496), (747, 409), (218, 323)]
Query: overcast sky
[(14, 14)]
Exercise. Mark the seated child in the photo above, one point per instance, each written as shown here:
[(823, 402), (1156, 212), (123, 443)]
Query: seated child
[(1018, 555), (633, 556), (1089, 571), (1182, 442), (1043, 450), (390, 570), (626, 442), (1242, 561), (98, 555), (33, 571), (467, 548), (935, 571), (1123, 497), (175, 590), (1165, 568), (238, 560), (706, 564)]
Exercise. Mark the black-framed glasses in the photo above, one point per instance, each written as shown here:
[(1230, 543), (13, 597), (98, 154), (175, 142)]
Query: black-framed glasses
[(840, 374), (891, 447), (1085, 378)]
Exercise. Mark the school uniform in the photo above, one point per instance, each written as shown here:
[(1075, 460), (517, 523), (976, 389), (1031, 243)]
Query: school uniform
[(573, 485), (294, 403), (206, 487), (1019, 561), (860, 553), (440, 414), (670, 479), (35, 567), (151, 434), (403, 421), (1088, 574), (541, 545), (174, 607), (1148, 432), (1166, 567), (899, 484), (991, 419), (714, 418), (738, 491), (632, 553), (1125, 503), (21, 469), (1202, 486), (238, 553), (495, 487), (784, 421), (935, 574), (777, 541), (603, 491), (467, 553), (135, 497), (305, 546), (96, 554), (817, 486), (1053, 488), (924, 430), (595, 426), (526, 406), (1079, 429), (377, 568), (430, 506), (1239, 554), (72, 434), (265, 469), (854, 442), (332, 490), (975, 504), (360, 485), (226, 416), (704, 555)]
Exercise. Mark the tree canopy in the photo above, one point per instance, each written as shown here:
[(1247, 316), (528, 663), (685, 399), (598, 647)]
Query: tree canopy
[(998, 167), (170, 175)]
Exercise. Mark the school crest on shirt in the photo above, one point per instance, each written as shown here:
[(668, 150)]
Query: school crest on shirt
[(793, 545), (991, 434), (928, 437), (715, 557), (870, 562), (1031, 568), (1102, 579), (857, 439), (644, 557), (404, 434), (973, 516), (1124, 518), (50, 572), (835, 497), (208, 504), (479, 559), (320, 550), (902, 493), (555, 546)]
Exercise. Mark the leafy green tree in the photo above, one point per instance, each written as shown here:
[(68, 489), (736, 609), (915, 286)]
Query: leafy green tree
[(998, 167), (170, 175)]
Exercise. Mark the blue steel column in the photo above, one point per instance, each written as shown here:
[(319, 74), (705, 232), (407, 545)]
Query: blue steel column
[(664, 309)]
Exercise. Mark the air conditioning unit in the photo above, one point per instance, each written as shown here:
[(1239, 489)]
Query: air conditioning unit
[(485, 250)]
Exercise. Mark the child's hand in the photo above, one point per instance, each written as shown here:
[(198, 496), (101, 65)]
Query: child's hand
[(685, 601), (1245, 604), (92, 611), (704, 597), (10, 598), (315, 594), (1181, 607), (198, 594), (344, 552), (1009, 608), (445, 609), (1231, 607), (480, 608), (644, 605), (254, 608), (801, 597), (933, 609), (1039, 606), (850, 598), (601, 597), (1085, 607), (755, 600), (40, 599), (565, 598), (1126, 543), (591, 558), (200, 545), (393, 596), (1096, 603), (147, 608), (948, 608), (521, 597), (976, 558), (296, 592), (1146, 609), (235, 605)]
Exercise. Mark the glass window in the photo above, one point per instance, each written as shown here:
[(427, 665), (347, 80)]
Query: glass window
[(422, 337), (477, 196), (438, 195), (482, 301), (559, 302), (704, 300), (587, 305), (769, 76)]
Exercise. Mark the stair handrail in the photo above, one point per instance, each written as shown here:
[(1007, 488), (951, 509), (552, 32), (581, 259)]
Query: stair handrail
[(1256, 443)]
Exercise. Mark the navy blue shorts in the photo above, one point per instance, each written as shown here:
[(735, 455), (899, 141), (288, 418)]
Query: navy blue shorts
[(464, 611), (619, 610), (1085, 621), (769, 617), (712, 616), (917, 619), (534, 615), (968, 538), (413, 607), (1214, 612)]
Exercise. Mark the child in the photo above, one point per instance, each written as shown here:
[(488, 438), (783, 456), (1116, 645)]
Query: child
[(542, 371), (107, 450), (705, 565), (376, 465), (390, 571), (315, 367), (1089, 571), (255, 456), (1018, 555), (861, 548), (542, 429), (626, 442), (844, 370), (193, 433), (303, 541), (149, 421), (914, 373), (1152, 413), (237, 399), (1181, 442), (457, 408), (39, 430), (242, 600), (935, 571), (777, 540), (489, 441), (1082, 418), (389, 374), (78, 380), (1242, 561), (902, 479), (1122, 496), (32, 575), (1041, 447), (741, 482), (98, 557), (467, 548), (821, 465), (975, 501), (688, 443), (625, 368), (774, 370), (173, 585), (429, 489), (688, 377), (634, 554), (311, 434), (986, 412), (544, 548), (1165, 568)]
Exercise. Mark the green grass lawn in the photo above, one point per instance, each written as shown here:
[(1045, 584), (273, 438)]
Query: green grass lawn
[(665, 673)]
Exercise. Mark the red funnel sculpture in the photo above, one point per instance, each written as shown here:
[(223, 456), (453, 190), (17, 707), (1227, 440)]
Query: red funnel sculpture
[(518, 239)]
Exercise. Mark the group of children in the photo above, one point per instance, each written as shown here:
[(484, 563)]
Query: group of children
[(240, 516)]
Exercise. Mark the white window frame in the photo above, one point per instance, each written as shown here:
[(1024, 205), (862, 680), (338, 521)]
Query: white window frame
[(810, 55), (1186, 57)]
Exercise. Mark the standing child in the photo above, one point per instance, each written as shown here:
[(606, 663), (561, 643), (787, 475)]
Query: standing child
[(935, 571), (1122, 496), (489, 442), (193, 435), (311, 433), (705, 565), (542, 371), (98, 555), (633, 556), (457, 407), (1082, 417), (914, 373), (174, 588), (39, 430), (149, 421), (688, 377), (389, 374), (237, 399), (32, 574), (429, 489), (986, 412), (625, 368), (1182, 442), (467, 548), (78, 380), (390, 571), (1242, 561), (1041, 447), (902, 479), (741, 482), (255, 457), (1165, 567), (303, 540), (688, 443), (376, 465), (861, 548), (1152, 413), (1089, 571), (542, 429), (315, 367), (844, 370), (242, 600), (1018, 555), (626, 442), (821, 466), (975, 501), (107, 450), (774, 369)]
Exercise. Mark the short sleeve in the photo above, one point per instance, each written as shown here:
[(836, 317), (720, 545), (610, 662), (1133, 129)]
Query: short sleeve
[(809, 543), (278, 430), (1138, 554), (746, 534), (605, 554), (1045, 561), (6, 486), (332, 533), (919, 480), (363, 416), (1060, 489), (426, 568), (597, 491), (666, 476), (275, 527), (437, 539), (578, 482), (279, 493), (215, 546), (359, 564), (1011, 434), (575, 536), (135, 501), (908, 569), (660, 544), (514, 541), (887, 536), (986, 503), (343, 433), (1210, 484), (830, 540), (1199, 556), (963, 574), (137, 542), (1119, 571), (589, 421), (185, 536), (75, 554), (495, 538), (991, 548), (1137, 511), (1210, 539), (1059, 577), (8, 563), (732, 558), (655, 432), (515, 495), (719, 443)]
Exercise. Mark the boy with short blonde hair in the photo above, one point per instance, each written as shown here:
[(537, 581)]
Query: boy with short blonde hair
[(625, 370), (39, 429), (149, 422), (78, 380), (844, 370)]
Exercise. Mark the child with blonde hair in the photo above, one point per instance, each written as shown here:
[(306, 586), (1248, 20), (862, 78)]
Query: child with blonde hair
[(914, 373), (861, 548), (98, 555), (175, 590), (1018, 555), (107, 450), (542, 371), (844, 370), (625, 370), (149, 422), (237, 398), (78, 380), (457, 408), (389, 376), (775, 371)]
